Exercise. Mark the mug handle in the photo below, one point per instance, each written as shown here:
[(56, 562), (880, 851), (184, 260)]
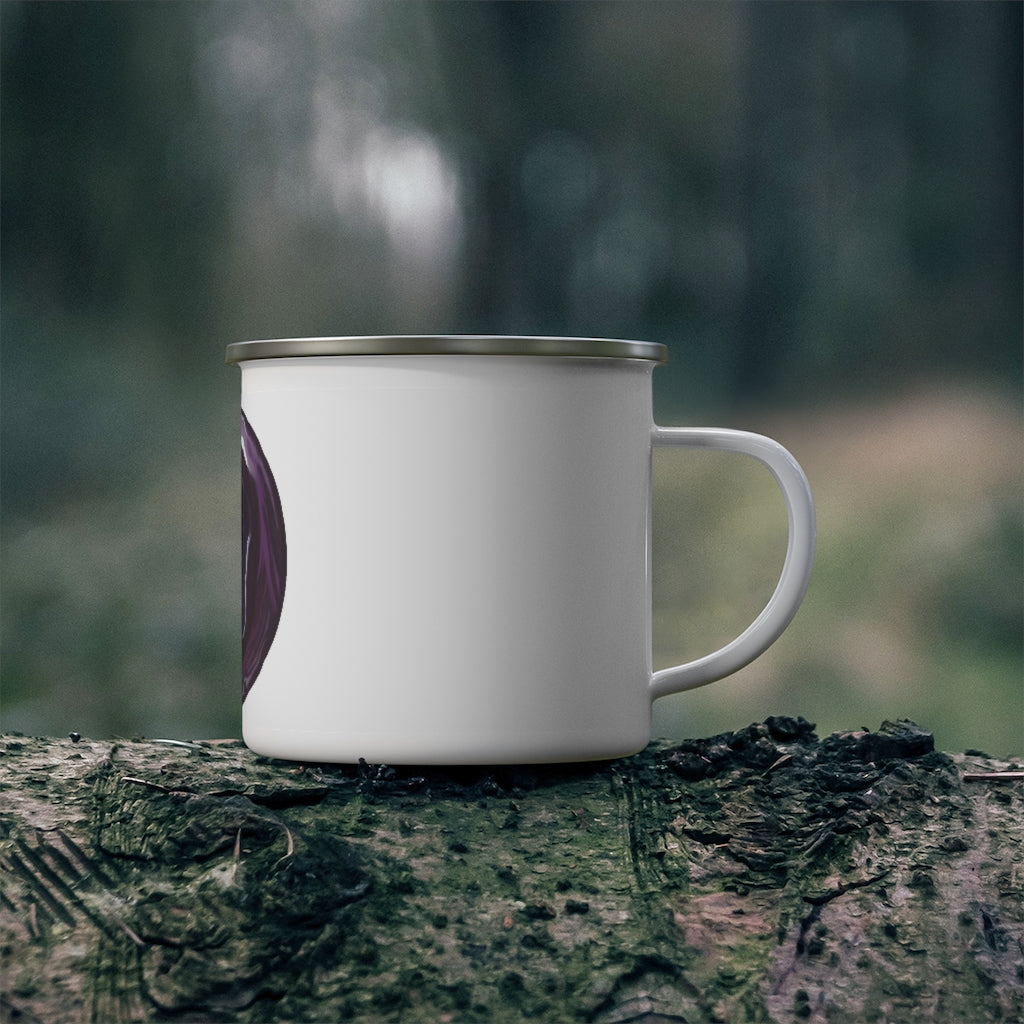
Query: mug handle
[(796, 570)]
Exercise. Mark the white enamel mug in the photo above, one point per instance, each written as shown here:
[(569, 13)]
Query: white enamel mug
[(447, 549)]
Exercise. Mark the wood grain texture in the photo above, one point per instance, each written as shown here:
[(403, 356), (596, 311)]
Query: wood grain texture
[(762, 875)]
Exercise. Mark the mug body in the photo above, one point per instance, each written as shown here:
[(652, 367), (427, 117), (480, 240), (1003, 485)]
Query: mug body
[(447, 556)]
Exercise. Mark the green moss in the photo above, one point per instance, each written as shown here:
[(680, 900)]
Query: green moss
[(715, 881)]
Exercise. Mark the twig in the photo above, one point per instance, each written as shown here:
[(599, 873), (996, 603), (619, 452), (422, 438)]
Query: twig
[(238, 854), (144, 782), (291, 846), (162, 789), (992, 776)]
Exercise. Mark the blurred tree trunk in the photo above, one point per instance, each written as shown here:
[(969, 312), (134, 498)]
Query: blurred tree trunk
[(758, 875), (503, 49)]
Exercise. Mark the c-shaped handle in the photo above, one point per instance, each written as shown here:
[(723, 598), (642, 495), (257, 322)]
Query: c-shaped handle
[(796, 570)]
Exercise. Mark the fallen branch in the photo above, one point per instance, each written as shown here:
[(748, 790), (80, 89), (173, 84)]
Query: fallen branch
[(759, 875)]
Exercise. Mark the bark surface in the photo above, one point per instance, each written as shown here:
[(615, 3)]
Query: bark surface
[(762, 875)]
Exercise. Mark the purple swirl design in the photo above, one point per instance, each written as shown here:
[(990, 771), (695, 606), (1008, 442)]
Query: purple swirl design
[(264, 557)]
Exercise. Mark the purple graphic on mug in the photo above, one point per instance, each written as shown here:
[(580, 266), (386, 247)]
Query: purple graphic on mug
[(264, 557)]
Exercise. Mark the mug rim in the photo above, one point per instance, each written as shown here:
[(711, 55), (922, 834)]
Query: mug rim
[(446, 344)]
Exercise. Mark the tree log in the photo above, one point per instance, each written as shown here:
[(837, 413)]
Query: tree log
[(762, 875)]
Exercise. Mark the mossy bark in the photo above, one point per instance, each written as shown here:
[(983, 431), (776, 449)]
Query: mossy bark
[(764, 875)]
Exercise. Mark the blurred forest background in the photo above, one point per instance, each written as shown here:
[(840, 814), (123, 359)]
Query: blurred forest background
[(816, 206)]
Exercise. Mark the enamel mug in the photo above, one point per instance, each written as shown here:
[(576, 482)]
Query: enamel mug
[(446, 549)]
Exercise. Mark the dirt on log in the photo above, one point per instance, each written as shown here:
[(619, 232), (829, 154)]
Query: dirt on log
[(761, 875)]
